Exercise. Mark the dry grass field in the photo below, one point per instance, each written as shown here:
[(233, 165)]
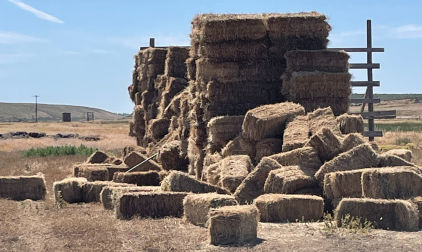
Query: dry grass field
[(42, 226)]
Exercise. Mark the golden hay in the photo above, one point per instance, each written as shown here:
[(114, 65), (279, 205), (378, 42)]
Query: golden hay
[(135, 158), (211, 159), (418, 202), (151, 178), (350, 123), (402, 153), (253, 185), (234, 51), (306, 158), (289, 179), (211, 173), (388, 160), (296, 133), (352, 140), (392, 183), (339, 105), (385, 214), (158, 128), (325, 143), (233, 225), (69, 189), (222, 129), (239, 146), (91, 190), (92, 172), (323, 117), (317, 60), (130, 148), (170, 157), (97, 157), (267, 147), (109, 194), (149, 204), (362, 156), (178, 181), (269, 121), (23, 187), (175, 62), (289, 207), (197, 206), (234, 170)]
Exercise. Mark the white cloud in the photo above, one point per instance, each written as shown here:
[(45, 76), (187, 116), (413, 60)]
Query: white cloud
[(37, 13), (14, 58), (13, 38), (160, 40), (408, 31)]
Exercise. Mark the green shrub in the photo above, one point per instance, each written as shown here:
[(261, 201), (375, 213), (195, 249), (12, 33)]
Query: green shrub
[(59, 151), (403, 140)]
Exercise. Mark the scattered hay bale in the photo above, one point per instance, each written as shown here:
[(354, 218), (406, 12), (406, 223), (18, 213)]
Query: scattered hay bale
[(114, 169), (296, 133), (23, 187), (178, 181), (402, 153), (325, 143), (352, 140), (170, 157), (385, 214), (306, 158), (269, 121), (350, 123), (158, 128), (418, 202), (253, 185), (289, 179), (239, 146), (97, 157), (234, 170), (69, 189), (211, 159), (197, 206), (267, 147), (92, 172), (134, 158), (211, 173), (233, 225), (392, 183), (150, 178), (362, 156), (387, 160), (91, 190), (222, 129), (289, 207), (130, 148), (109, 194), (323, 117), (149, 204), (317, 60)]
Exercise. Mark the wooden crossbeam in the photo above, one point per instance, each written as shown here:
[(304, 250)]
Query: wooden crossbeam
[(357, 49), (365, 83), (364, 66), (372, 134), (357, 100)]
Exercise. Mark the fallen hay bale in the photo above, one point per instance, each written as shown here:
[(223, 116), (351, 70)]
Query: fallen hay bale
[(234, 170), (92, 172), (402, 153), (325, 143), (197, 206), (181, 182), (97, 157), (253, 185), (23, 187), (306, 158), (384, 214), (170, 157), (109, 194), (239, 146), (289, 207), (150, 178), (352, 140), (267, 147), (222, 129), (392, 183), (296, 133), (362, 156), (233, 225), (269, 121), (130, 148), (418, 202), (389, 160), (211, 173), (323, 117), (149, 204), (350, 124), (135, 158), (289, 179), (69, 189)]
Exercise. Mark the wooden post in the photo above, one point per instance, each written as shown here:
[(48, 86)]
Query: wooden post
[(370, 89), (152, 42)]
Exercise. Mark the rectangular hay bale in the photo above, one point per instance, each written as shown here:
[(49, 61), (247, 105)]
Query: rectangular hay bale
[(289, 179), (92, 172), (296, 133), (69, 189), (23, 187), (178, 181), (317, 60), (109, 194), (222, 129), (234, 169), (150, 178)]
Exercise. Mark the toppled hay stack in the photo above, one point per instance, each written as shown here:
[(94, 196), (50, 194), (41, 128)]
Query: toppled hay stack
[(135, 158), (151, 178), (23, 187), (323, 118), (233, 225), (296, 133), (289, 179), (388, 160), (384, 214), (149, 204), (181, 182), (222, 129), (289, 207), (402, 153), (325, 143), (234, 170), (197, 206), (109, 194)]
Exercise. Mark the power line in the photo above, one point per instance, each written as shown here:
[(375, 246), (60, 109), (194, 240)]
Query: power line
[(36, 107)]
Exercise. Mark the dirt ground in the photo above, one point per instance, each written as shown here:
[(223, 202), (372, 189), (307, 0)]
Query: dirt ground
[(42, 226)]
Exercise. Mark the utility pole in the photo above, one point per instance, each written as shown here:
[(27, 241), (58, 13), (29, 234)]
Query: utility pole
[(36, 108)]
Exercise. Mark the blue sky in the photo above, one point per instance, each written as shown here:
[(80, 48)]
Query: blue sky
[(80, 52)]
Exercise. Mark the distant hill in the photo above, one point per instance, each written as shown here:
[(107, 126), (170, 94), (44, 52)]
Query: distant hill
[(389, 97), (50, 112)]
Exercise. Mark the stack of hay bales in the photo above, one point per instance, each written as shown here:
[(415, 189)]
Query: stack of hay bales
[(317, 78), (109, 194), (236, 62)]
